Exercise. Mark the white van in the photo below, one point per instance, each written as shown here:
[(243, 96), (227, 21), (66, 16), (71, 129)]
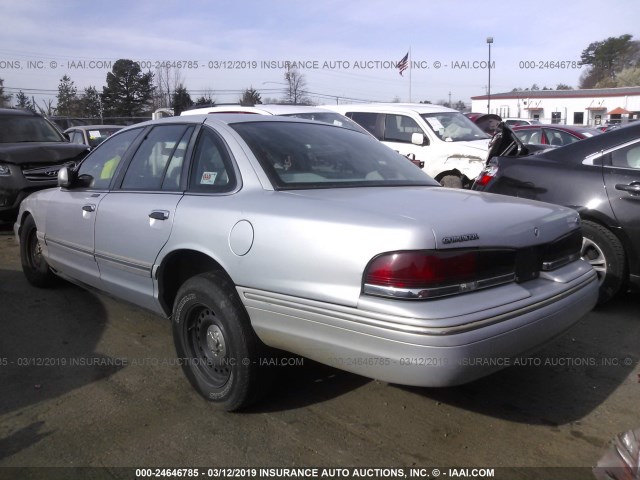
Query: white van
[(453, 148)]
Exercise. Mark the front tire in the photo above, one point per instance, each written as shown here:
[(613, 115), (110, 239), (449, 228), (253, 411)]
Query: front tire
[(34, 265), (217, 347), (604, 251), (451, 181)]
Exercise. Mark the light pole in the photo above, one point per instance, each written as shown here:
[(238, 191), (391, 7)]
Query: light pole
[(489, 42)]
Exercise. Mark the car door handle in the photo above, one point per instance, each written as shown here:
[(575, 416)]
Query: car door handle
[(89, 208), (159, 214), (631, 188)]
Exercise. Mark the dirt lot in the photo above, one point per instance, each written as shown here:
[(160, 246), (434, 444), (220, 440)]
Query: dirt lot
[(124, 403)]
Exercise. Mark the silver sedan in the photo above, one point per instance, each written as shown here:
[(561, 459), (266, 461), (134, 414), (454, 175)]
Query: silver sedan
[(255, 233)]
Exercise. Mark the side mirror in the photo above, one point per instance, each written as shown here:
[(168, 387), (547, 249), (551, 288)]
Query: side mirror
[(64, 178), (419, 139)]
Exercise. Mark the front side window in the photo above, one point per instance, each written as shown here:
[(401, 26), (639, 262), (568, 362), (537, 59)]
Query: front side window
[(529, 135), (400, 128), (453, 127), (315, 155), (559, 138), (159, 155), (100, 166)]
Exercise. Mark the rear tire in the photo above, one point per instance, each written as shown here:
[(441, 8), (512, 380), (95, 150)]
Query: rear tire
[(34, 265), (604, 251), (219, 352)]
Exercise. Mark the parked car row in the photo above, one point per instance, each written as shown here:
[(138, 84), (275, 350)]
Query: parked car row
[(31, 152), (554, 135), (599, 177), (254, 232)]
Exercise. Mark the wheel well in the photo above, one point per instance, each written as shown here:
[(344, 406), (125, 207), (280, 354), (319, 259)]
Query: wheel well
[(177, 268), (633, 263), (22, 219), (455, 172)]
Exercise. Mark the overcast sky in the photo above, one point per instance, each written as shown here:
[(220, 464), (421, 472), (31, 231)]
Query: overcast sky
[(348, 47)]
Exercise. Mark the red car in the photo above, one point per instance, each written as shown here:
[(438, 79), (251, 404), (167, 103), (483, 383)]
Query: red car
[(555, 135)]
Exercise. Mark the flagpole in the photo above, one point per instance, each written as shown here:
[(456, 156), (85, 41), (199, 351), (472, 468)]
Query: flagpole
[(410, 69)]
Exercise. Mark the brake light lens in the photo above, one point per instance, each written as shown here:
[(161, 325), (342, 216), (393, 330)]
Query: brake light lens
[(429, 273), (487, 174)]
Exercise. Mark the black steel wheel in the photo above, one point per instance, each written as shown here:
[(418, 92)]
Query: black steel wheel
[(217, 347), (34, 265)]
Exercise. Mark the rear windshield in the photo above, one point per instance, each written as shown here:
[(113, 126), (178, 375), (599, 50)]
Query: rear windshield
[(21, 129), (453, 127), (314, 155)]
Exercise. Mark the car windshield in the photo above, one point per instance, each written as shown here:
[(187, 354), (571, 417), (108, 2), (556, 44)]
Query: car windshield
[(20, 129), (453, 127), (99, 135), (307, 155), (328, 117)]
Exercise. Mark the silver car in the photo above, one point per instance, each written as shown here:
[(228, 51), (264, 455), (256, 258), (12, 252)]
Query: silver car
[(251, 232)]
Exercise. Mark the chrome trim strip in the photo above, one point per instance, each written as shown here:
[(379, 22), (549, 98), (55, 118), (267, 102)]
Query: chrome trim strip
[(428, 293), (548, 266), (395, 323), (71, 246), (127, 264)]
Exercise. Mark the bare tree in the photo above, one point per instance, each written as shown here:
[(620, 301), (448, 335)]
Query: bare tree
[(167, 79), (47, 109), (295, 92)]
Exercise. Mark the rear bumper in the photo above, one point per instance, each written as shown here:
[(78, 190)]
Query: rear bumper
[(411, 351)]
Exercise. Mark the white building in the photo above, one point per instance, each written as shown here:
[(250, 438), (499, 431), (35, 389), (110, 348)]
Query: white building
[(595, 106)]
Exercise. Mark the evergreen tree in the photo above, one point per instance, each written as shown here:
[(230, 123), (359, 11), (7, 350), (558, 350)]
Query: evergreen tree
[(68, 104), (181, 100), (91, 104), (22, 101), (250, 98), (128, 92)]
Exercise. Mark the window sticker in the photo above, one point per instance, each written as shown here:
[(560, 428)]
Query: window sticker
[(208, 178), (94, 134), (435, 123)]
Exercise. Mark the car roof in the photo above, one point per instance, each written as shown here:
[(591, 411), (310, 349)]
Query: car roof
[(566, 128), (92, 127), (227, 119), (18, 112), (393, 107), (257, 109)]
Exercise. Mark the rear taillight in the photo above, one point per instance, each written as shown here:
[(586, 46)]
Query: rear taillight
[(430, 273), (487, 174)]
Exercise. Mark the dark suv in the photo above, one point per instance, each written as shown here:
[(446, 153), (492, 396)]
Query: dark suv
[(31, 152)]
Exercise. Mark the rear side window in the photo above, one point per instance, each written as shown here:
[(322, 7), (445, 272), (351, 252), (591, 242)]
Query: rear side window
[(366, 120), (212, 169), (627, 157)]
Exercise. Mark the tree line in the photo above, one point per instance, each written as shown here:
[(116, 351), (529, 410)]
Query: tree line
[(129, 92)]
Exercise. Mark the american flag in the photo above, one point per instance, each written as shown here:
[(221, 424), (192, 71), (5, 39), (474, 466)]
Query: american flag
[(403, 64)]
